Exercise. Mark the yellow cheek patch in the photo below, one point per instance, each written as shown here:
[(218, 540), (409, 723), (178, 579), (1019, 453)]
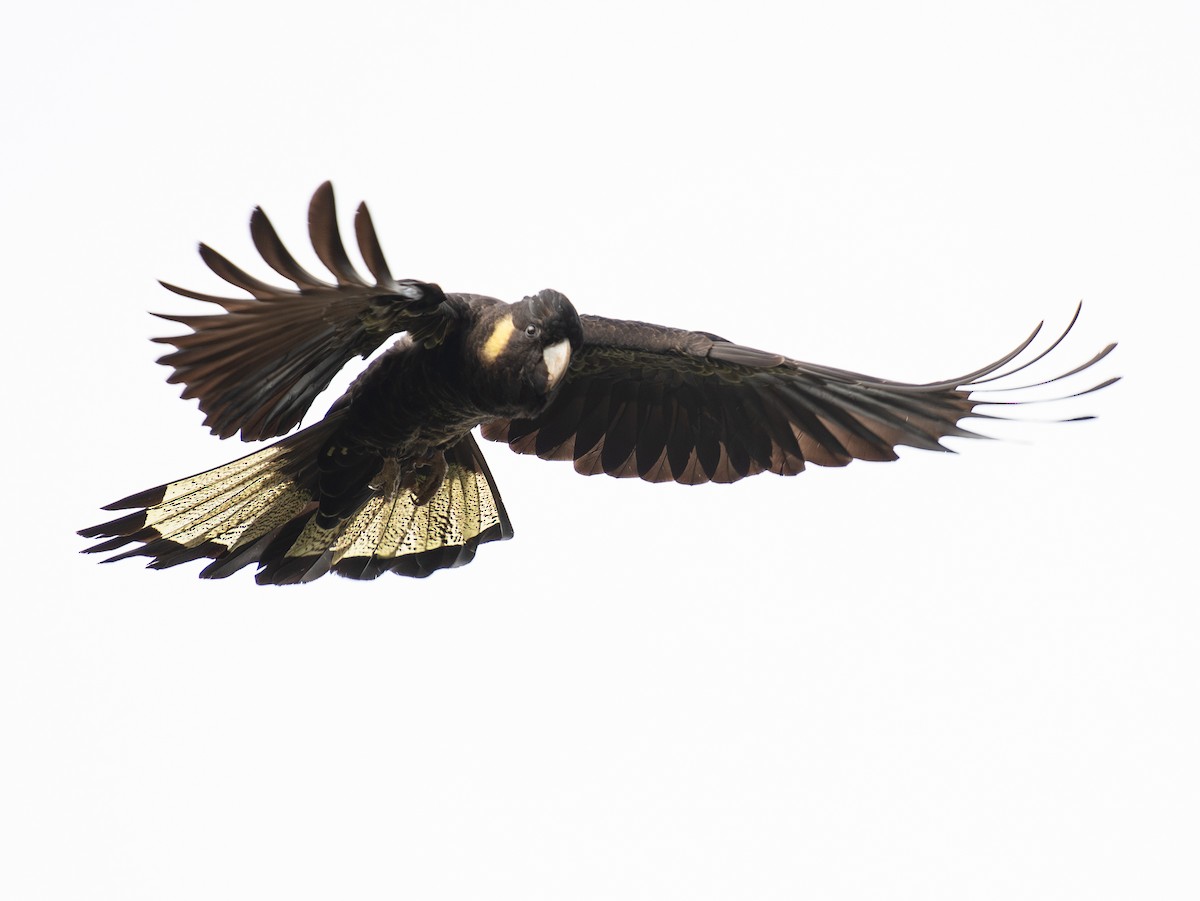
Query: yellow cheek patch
[(498, 340)]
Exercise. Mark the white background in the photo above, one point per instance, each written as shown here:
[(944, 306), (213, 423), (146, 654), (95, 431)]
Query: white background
[(954, 677)]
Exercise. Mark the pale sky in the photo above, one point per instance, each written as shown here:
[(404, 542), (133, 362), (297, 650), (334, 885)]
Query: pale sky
[(953, 676)]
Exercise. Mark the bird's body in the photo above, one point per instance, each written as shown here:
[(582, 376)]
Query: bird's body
[(392, 479)]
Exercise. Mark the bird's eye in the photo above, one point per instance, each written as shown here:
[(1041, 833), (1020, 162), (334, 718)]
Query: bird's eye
[(532, 331)]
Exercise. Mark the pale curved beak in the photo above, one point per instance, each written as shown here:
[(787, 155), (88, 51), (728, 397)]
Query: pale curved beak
[(557, 357)]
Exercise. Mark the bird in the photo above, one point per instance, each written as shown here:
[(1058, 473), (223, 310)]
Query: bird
[(392, 478)]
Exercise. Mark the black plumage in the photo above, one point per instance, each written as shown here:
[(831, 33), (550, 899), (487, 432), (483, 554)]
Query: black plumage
[(392, 479)]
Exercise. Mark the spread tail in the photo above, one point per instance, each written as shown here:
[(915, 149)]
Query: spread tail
[(262, 509)]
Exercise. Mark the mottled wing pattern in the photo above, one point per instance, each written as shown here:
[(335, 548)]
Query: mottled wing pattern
[(665, 404), (257, 367)]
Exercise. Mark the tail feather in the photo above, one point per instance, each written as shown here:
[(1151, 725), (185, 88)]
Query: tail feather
[(392, 532), (262, 508)]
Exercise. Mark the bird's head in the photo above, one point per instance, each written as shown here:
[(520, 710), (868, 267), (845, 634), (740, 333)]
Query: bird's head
[(529, 345)]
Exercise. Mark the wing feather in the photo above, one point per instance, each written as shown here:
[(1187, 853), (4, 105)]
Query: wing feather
[(327, 239), (368, 246), (257, 367), (272, 250), (620, 436), (654, 427), (556, 440), (666, 404)]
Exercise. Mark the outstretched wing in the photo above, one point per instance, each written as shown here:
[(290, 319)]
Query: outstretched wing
[(257, 367), (665, 404)]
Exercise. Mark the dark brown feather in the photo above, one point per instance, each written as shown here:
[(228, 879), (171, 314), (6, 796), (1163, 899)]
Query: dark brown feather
[(658, 403), (327, 239), (272, 250), (257, 368), (368, 246)]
